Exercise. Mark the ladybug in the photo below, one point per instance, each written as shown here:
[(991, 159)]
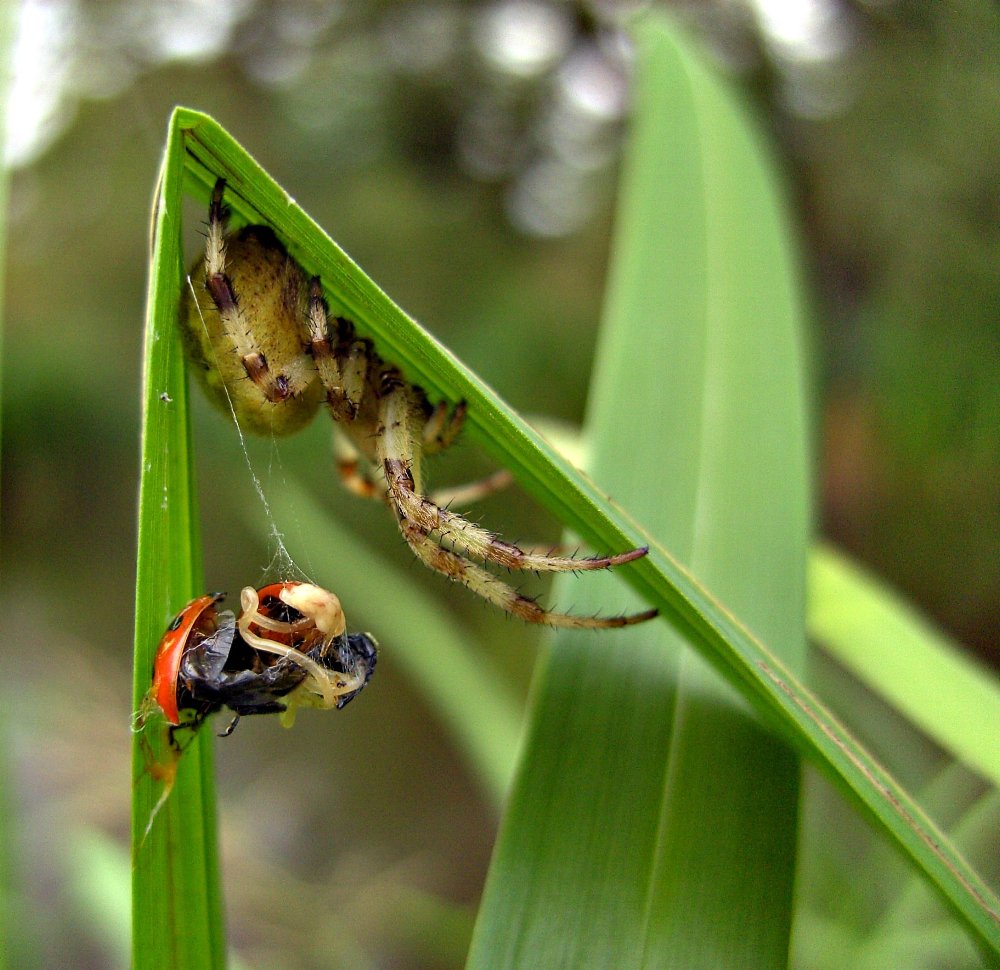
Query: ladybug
[(289, 648)]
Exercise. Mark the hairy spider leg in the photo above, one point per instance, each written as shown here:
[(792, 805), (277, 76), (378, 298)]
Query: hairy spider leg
[(397, 452), (328, 361), (356, 474), (418, 517), (341, 359), (501, 594), (359, 478), (472, 491), (344, 365), (440, 432)]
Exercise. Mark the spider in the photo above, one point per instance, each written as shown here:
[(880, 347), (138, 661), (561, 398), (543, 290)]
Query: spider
[(265, 347)]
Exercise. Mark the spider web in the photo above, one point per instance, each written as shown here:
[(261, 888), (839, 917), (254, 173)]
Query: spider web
[(282, 564)]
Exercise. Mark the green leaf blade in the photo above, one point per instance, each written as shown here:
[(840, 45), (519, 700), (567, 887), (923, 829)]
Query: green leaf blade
[(723, 890), (176, 900), (691, 859)]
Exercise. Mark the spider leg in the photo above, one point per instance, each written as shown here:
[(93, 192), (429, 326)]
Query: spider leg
[(399, 415), (343, 361), (356, 359), (359, 479), (353, 469), (325, 352), (499, 593), (472, 491), (357, 476), (275, 387)]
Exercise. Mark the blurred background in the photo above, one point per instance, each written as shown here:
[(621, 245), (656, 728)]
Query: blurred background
[(465, 154)]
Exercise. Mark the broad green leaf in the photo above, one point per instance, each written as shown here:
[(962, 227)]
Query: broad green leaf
[(654, 821)]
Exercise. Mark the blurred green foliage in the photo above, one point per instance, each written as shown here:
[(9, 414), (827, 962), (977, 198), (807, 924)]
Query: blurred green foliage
[(895, 174)]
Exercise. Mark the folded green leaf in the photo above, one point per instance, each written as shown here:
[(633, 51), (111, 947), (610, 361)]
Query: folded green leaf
[(205, 151)]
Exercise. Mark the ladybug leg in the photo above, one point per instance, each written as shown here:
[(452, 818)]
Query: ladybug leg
[(261, 707), (245, 707), (174, 729)]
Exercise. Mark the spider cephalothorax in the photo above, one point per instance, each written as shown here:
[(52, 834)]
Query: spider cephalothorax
[(259, 333)]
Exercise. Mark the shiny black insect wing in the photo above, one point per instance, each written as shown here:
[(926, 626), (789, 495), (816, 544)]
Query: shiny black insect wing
[(223, 671)]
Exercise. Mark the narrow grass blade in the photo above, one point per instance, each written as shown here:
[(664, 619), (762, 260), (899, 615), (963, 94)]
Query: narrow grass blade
[(911, 913), (699, 617), (878, 912), (654, 822), (900, 655), (176, 908)]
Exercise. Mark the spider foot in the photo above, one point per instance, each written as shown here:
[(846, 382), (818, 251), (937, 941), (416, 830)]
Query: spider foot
[(501, 594), (216, 208)]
